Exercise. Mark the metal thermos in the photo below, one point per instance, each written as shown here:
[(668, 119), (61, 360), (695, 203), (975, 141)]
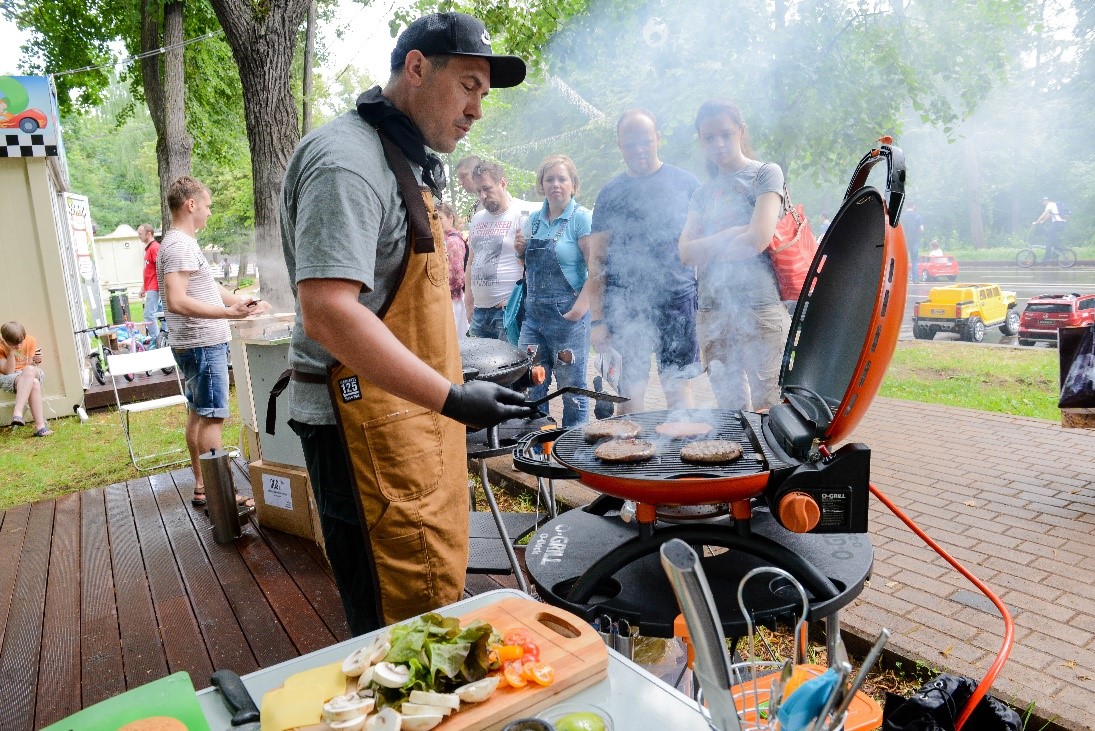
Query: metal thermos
[(220, 495)]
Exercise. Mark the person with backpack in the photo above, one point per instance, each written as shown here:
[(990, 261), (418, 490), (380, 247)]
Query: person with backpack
[(743, 322), (1051, 215)]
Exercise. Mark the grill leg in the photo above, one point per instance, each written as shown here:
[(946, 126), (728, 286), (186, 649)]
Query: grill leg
[(492, 442)]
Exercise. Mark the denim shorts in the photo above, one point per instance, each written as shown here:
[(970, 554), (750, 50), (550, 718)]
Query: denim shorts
[(667, 329), (205, 379)]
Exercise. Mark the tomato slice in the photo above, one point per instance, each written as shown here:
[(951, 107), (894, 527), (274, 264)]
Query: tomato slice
[(516, 636), (531, 650), (538, 672), (508, 653), (512, 673)]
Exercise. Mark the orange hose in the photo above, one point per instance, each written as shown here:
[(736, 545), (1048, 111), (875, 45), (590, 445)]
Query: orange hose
[(1009, 626)]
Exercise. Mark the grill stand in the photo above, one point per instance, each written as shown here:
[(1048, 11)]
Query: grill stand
[(492, 449), (592, 563)]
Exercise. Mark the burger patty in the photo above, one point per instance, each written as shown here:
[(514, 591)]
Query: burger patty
[(711, 451), (683, 429), (611, 429), (625, 450)]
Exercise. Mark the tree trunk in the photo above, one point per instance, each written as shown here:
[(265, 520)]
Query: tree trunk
[(263, 37), (309, 59), (165, 93), (973, 194)]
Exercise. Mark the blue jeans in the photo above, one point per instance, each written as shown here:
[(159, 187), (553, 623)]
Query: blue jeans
[(559, 340), (205, 379), (486, 322), (151, 307)]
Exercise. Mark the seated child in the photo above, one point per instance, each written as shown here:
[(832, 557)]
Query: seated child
[(19, 374)]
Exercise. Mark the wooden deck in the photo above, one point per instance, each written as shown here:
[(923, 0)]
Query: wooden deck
[(107, 589)]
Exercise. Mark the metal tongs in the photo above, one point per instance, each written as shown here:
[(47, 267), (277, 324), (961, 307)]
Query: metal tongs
[(595, 395), (712, 665)]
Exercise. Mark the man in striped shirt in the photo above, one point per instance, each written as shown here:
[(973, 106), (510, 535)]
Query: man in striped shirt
[(197, 309)]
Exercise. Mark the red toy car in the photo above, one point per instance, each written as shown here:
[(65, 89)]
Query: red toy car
[(1045, 314), (934, 268), (28, 121)]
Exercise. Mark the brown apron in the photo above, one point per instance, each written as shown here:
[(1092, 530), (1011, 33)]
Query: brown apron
[(410, 463)]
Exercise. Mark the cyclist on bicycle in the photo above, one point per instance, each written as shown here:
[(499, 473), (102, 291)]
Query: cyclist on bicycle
[(1056, 222)]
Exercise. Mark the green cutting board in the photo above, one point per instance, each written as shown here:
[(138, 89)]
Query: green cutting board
[(172, 696)]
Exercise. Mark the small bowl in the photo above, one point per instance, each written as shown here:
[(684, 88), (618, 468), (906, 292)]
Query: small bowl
[(554, 713), (528, 724)]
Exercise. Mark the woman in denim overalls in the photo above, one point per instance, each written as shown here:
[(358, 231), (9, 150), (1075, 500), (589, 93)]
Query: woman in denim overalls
[(556, 301)]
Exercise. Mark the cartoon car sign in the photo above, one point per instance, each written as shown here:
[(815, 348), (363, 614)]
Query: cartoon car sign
[(27, 121)]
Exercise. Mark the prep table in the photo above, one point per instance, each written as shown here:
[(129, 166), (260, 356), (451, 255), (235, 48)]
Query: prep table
[(633, 697)]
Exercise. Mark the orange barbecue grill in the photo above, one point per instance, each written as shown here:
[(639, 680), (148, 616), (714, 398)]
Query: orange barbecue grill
[(793, 491)]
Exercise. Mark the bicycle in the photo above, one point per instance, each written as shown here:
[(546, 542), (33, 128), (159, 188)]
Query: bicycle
[(1027, 257), (1062, 256), (97, 357), (131, 339)]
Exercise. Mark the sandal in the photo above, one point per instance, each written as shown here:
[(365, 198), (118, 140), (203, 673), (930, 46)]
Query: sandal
[(199, 498), (16, 422), (45, 431)]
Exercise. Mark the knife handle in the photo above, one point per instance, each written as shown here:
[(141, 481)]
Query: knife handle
[(236, 696)]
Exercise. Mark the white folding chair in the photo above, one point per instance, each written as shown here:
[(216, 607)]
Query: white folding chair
[(119, 366)]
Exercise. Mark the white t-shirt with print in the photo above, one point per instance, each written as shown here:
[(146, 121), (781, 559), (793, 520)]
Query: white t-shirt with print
[(495, 267)]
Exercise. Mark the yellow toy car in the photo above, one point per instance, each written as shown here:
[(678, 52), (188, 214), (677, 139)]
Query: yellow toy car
[(966, 309)]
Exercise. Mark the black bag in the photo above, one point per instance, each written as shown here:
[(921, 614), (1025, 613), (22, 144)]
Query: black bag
[(939, 703), (1078, 388)]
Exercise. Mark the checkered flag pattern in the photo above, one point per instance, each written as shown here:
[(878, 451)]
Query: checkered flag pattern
[(21, 145)]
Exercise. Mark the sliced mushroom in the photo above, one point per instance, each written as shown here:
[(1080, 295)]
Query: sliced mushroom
[(360, 660), (387, 720), (420, 709), (366, 678), (390, 675), (346, 707), (478, 691), (431, 698), (353, 724), (422, 722)]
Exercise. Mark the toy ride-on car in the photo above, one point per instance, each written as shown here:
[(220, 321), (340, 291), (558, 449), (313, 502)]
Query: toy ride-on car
[(933, 268), (966, 309), (1047, 313)]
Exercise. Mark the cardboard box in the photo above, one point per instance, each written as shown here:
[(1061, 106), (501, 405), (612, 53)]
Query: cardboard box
[(283, 499)]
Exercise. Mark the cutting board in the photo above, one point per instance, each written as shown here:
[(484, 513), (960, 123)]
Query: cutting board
[(567, 643), (172, 696)]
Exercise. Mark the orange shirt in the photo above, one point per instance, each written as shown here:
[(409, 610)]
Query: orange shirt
[(23, 354)]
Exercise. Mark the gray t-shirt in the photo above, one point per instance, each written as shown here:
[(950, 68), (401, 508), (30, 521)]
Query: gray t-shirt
[(341, 218), (725, 202), (181, 253)]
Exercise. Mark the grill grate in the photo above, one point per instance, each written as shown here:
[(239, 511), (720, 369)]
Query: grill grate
[(742, 427)]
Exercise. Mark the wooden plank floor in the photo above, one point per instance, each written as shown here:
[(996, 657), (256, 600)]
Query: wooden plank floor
[(105, 590)]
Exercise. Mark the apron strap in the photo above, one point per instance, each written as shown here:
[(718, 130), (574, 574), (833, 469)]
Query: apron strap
[(418, 219), (279, 388)]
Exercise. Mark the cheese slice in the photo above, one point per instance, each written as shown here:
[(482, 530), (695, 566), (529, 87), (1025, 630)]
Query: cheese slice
[(299, 702)]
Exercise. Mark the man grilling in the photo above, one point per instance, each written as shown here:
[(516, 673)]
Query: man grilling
[(376, 367)]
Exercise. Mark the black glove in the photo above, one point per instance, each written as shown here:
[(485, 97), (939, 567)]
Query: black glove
[(481, 404)]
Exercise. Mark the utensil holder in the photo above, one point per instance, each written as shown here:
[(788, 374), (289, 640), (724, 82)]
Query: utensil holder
[(220, 495)]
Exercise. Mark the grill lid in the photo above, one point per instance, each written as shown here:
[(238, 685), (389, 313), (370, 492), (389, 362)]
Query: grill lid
[(494, 360), (848, 316)]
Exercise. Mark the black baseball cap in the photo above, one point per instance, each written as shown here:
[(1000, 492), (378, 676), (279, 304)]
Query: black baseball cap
[(457, 34)]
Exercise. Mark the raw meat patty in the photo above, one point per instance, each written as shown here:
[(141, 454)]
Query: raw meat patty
[(611, 429), (625, 450), (683, 429), (711, 451)]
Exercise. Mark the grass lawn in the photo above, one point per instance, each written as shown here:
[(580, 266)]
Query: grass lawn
[(1019, 381), (82, 456)]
